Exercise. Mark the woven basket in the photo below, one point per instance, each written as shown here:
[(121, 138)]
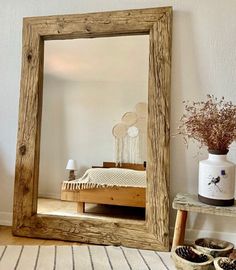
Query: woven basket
[(214, 247), (226, 261), (184, 264)]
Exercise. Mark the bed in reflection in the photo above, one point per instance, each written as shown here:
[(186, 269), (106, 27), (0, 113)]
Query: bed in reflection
[(123, 185)]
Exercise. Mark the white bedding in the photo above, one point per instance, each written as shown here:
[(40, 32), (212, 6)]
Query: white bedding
[(102, 177)]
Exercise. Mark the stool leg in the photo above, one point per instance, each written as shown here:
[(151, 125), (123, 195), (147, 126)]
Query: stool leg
[(179, 231)]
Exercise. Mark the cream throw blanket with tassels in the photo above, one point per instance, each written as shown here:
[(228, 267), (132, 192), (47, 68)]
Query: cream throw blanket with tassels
[(102, 177)]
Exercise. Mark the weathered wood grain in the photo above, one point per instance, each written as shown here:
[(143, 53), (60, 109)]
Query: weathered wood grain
[(107, 231), (190, 202), (157, 212), (101, 24), (27, 158), (154, 232)]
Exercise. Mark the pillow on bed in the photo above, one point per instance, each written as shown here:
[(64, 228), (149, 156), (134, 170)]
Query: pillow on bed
[(114, 177)]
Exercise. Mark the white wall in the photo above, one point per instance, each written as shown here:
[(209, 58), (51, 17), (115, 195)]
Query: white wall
[(204, 61)]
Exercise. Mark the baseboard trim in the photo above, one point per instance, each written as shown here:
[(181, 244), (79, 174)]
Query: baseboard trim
[(6, 218)]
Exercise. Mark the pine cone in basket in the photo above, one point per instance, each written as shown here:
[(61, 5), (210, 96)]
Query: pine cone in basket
[(188, 254), (208, 244), (227, 265)]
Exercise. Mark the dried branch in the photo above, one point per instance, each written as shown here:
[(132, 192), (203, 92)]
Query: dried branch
[(212, 123)]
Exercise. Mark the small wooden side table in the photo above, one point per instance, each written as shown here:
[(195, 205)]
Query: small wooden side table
[(184, 203)]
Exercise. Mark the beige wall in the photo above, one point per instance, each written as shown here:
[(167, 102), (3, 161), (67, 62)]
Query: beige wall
[(204, 61), (78, 118)]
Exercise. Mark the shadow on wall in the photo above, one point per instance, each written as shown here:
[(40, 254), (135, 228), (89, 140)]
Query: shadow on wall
[(186, 83), (52, 117)]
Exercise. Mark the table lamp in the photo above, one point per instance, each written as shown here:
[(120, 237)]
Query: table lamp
[(71, 167)]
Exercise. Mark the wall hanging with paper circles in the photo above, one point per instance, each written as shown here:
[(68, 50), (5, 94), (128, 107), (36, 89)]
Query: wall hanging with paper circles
[(119, 131), (131, 135), (133, 132), (133, 144), (129, 118)]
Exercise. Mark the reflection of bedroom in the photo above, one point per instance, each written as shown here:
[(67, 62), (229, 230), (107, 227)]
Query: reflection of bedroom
[(94, 111)]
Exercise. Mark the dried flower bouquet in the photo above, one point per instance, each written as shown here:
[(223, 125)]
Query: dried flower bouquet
[(212, 123)]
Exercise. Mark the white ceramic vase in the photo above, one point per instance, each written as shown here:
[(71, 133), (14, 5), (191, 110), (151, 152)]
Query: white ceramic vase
[(216, 181)]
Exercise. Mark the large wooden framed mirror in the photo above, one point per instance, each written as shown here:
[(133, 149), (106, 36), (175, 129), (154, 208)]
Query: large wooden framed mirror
[(151, 232)]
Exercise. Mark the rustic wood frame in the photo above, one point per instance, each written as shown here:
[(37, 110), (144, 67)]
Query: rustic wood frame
[(153, 233)]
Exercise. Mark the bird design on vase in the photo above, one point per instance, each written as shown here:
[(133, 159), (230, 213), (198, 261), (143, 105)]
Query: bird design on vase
[(216, 180)]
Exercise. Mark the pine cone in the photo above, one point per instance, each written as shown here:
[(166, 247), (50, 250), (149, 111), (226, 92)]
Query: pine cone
[(188, 254), (207, 244), (228, 265)]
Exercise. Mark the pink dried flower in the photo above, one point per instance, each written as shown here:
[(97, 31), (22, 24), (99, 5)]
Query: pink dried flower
[(212, 123)]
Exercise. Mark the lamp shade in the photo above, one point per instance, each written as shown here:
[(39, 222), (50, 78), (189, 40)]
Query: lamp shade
[(71, 165)]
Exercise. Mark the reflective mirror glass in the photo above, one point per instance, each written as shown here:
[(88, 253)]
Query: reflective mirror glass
[(94, 127)]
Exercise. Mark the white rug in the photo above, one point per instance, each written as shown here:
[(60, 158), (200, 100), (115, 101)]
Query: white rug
[(82, 258)]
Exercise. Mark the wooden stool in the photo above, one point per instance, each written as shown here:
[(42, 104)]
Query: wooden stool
[(184, 203)]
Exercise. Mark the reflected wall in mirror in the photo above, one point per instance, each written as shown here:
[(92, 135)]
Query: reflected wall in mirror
[(63, 102), (95, 113)]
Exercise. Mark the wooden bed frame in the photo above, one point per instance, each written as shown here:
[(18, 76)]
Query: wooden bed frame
[(123, 196)]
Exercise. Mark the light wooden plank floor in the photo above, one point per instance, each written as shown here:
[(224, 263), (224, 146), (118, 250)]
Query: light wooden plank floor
[(65, 208)]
